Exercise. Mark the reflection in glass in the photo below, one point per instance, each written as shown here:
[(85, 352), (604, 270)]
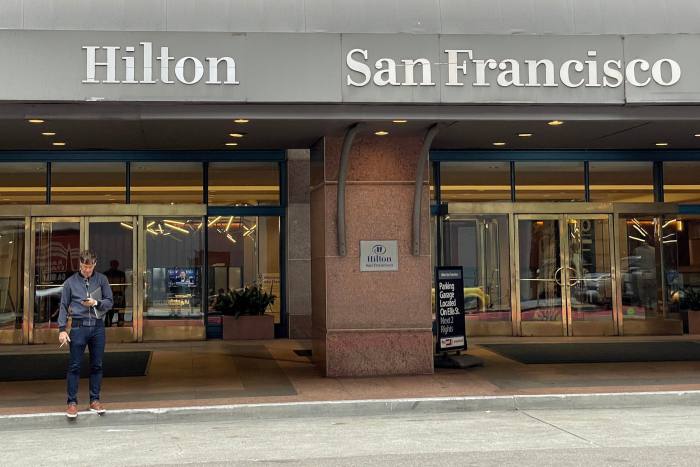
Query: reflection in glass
[(113, 243), (88, 182), (480, 246), (648, 279), (243, 251), (540, 270), (22, 183), (243, 183), (57, 257), (475, 181), (589, 271), (681, 184), (11, 273), (629, 182), (547, 181), (174, 256), (174, 182)]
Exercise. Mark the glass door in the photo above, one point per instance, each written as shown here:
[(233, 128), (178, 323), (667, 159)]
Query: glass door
[(56, 250), (56, 246), (565, 275)]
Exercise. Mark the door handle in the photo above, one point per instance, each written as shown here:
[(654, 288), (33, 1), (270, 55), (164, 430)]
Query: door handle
[(573, 280), (557, 276)]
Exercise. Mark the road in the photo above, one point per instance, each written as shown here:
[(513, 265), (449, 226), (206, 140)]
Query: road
[(659, 436)]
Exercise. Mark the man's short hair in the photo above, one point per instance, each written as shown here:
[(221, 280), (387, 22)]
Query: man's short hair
[(88, 257)]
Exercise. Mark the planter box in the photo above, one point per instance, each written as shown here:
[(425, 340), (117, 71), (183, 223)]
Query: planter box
[(249, 327), (693, 322)]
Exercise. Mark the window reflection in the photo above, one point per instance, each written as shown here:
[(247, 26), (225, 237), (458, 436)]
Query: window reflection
[(172, 182), (88, 182), (475, 181), (549, 181), (681, 184), (628, 182), (22, 183), (11, 273), (243, 183)]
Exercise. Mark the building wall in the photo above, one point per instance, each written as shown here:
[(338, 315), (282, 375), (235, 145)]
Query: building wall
[(365, 16)]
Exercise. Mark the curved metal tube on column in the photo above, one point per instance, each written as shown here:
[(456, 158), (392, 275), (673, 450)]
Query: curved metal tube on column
[(417, 196), (342, 175)]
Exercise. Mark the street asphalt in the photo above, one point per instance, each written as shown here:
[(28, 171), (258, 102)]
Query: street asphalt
[(667, 436)]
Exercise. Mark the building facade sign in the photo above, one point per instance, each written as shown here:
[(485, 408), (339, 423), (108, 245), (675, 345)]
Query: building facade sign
[(347, 68), (379, 255)]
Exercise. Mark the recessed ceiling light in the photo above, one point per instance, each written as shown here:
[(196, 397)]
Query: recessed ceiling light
[(697, 135), (381, 133), (231, 144), (49, 133), (662, 145), (499, 143), (35, 120), (399, 121), (555, 123), (237, 135), (524, 135), (59, 143), (241, 120)]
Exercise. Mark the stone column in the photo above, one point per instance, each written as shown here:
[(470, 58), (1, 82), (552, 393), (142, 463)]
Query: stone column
[(370, 323), (298, 245)]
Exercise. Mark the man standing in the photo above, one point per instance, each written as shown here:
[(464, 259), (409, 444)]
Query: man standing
[(88, 297)]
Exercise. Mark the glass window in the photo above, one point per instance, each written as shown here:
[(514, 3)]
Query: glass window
[(243, 251), (549, 181), (11, 273), (174, 254), (480, 245), (88, 182), (22, 183), (244, 183), (681, 183), (629, 182), (475, 181), (166, 182)]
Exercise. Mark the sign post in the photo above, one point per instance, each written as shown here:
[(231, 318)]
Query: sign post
[(449, 309)]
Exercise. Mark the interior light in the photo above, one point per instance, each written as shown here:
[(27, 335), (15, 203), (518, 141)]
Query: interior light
[(126, 226), (231, 144), (35, 120), (381, 133), (175, 227), (237, 135), (399, 121), (49, 133), (241, 120), (499, 143), (697, 135), (555, 123), (58, 143), (228, 224), (662, 145), (213, 221), (524, 135)]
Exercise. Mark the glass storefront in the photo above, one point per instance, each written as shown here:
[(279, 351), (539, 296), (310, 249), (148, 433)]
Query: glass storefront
[(11, 274)]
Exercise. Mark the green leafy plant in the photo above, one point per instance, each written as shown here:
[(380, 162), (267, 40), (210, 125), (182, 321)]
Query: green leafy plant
[(248, 301)]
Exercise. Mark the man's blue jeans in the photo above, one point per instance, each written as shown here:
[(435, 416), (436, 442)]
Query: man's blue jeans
[(92, 337)]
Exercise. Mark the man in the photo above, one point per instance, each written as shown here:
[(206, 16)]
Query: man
[(88, 297)]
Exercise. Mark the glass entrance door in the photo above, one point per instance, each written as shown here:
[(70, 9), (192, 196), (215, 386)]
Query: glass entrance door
[(56, 245), (564, 271)]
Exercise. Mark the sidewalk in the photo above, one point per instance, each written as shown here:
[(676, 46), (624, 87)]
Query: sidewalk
[(216, 373)]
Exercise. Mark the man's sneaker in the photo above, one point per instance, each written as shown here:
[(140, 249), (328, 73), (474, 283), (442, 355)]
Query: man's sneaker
[(72, 410), (96, 407)]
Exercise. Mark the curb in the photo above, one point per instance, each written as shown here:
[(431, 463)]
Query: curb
[(342, 408)]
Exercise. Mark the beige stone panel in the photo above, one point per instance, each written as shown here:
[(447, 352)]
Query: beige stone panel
[(379, 353), (378, 300), (374, 158), (299, 287), (376, 212), (298, 176), (298, 231)]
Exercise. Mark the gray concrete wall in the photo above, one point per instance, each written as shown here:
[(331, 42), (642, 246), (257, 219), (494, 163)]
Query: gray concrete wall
[(298, 245), (363, 16)]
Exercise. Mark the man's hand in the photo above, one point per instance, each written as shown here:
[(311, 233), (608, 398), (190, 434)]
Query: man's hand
[(63, 338), (89, 302)]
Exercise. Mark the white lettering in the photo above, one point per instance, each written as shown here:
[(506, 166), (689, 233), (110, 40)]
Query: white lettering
[(481, 71), (532, 79), (409, 65), (130, 67), (147, 63), (675, 72), (611, 69), (592, 71), (453, 68), (214, 70), (631, 73), (389, 71), (509, 76), (359, 67), (164, 60), (92, 64), (565, 73)]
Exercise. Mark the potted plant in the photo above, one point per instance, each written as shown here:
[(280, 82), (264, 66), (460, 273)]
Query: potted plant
[(691, 299), (244, 315)]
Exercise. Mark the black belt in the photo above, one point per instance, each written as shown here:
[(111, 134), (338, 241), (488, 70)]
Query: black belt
[(86, 323)]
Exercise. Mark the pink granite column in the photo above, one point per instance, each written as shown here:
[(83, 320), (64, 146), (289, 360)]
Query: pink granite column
[(369, 323)]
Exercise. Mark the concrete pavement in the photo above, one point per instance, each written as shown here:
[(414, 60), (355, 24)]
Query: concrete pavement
[(649, 436)]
